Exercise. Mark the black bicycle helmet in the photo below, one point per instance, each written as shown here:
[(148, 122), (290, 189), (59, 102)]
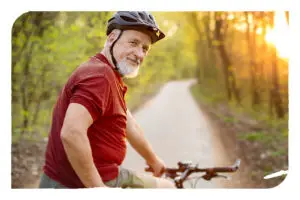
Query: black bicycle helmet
[(133, 20), (136, 20)]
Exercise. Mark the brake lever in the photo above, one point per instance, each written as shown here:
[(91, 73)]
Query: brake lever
[(177, 179), (178, 182), (223, 176), (209, 176), (184, 174), (181, 178)]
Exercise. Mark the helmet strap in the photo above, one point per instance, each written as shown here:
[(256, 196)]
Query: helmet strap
[(112, 54)]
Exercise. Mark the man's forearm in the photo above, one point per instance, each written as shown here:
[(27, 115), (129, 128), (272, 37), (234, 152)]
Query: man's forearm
[(79, 153), (139, 143)]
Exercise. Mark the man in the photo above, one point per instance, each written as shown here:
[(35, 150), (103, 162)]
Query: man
[(91, 122)]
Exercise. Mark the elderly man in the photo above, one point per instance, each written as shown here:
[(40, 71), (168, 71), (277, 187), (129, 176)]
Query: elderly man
[(90, 124)]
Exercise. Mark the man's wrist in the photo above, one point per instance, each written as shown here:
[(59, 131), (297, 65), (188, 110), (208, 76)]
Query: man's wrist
[(151, 160)]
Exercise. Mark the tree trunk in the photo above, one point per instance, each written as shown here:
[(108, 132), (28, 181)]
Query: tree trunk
[(41, 96), (251, 36), (200, 64), (230, 80), (210, 48), (24, 95), (276, 97), (38, 21), (263, 49), (287, 17), (276, 88), (199, 61)]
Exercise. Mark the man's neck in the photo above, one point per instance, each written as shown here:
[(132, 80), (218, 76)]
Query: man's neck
[(106, 53)]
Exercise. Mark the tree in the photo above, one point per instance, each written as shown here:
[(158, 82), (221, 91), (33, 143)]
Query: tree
[(251, 37), (275, 97), (229, 75)]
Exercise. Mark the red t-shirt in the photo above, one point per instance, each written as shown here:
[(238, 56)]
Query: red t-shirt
[(100, 89)]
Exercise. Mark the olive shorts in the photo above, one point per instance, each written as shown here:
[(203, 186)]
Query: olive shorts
[(126, 179)]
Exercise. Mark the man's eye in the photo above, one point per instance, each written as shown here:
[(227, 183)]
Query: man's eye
[(145, 50), (133, 42)]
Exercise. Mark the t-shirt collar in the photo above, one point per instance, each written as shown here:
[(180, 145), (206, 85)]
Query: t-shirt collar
[(102, 57)]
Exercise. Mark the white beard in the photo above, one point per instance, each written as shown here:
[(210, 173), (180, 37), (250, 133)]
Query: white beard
[(127, 70)]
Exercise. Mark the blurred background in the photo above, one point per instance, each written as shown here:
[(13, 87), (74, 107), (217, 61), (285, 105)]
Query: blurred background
[(239, 59)]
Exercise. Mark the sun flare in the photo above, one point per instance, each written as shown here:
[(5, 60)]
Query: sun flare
[(280, 35)]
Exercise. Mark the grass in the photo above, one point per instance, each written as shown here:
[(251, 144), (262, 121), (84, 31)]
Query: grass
[(258, 136), (279, 152), (268, 137), (206, 96), (34, 134), (15, 137), (274, 132), (229, 119), (214, 96)]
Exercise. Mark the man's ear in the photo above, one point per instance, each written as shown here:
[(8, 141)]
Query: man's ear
[(112, 37)]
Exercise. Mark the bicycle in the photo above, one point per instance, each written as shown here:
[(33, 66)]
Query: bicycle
[(181, 174)]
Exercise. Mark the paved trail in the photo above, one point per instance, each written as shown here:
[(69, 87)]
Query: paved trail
[(176, 129)]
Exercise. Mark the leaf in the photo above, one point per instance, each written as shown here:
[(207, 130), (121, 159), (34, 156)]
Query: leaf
[(25, 113)]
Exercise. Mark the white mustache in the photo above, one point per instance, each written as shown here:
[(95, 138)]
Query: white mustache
[(138, 61)]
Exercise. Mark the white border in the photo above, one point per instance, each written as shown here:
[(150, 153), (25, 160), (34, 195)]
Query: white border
[(13, 10)]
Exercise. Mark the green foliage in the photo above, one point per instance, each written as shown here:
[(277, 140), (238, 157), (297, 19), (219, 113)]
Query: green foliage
[(211, 87), (229, 119), (268, 169), (258, 136), (253, 136), (285, 133), (279, 152), (48, 46), (204, 94)]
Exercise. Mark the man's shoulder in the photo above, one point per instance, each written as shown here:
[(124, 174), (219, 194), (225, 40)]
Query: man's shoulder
[(94, 68)]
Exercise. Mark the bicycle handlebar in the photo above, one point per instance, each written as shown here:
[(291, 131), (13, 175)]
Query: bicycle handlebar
[(184, 169)]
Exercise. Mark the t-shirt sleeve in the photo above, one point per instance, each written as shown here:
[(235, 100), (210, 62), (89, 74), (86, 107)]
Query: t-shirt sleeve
[(93, 93)]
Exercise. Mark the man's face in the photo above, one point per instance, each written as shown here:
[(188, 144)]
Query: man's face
[(130, 51)]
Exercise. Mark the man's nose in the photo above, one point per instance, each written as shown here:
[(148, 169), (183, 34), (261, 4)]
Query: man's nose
[(140, 53)]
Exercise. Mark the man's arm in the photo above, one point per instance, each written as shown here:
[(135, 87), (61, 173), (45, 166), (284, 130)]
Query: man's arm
[(76, 144), (137, 140)]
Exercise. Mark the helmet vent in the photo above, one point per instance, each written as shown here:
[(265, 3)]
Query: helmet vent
[(142, 16), (150, 16), (128, 19)]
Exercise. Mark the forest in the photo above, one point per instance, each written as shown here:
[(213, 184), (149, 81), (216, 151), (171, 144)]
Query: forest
[(239, 59)]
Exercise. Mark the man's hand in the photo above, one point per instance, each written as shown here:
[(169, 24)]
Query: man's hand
[(158, 166)]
